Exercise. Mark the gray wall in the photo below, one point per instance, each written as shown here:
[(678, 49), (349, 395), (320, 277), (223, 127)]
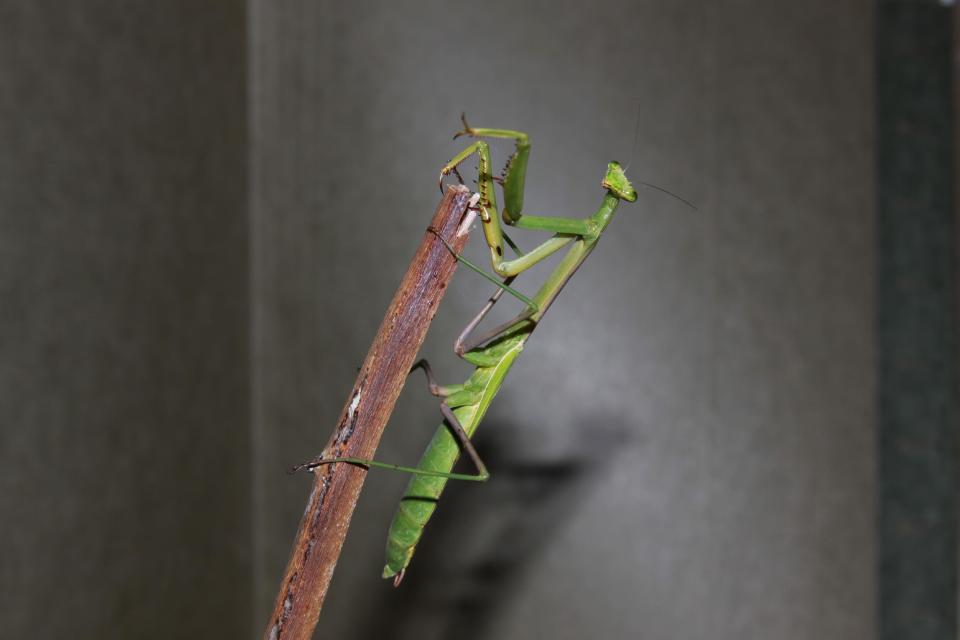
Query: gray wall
[(205, 208), (686, 449), (123, 321)]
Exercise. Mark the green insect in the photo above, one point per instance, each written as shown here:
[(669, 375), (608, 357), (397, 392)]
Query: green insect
[(493, 353)]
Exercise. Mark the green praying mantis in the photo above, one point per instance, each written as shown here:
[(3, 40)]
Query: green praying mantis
[(493, 353)]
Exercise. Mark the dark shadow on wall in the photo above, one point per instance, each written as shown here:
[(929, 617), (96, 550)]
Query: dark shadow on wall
[(483, 538)]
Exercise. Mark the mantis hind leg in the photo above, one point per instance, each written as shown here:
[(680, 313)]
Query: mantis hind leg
[(454, 396), (464, 345), (458, 345), (465, 342), (435, 389)]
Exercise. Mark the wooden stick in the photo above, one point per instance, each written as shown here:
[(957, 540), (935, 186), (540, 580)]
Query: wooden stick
[(364, 416)]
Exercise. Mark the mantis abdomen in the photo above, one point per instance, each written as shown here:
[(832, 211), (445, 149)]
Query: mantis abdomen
[(423, 491)]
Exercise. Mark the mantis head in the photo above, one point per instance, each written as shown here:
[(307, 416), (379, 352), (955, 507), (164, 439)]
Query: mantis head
[(616, 182)]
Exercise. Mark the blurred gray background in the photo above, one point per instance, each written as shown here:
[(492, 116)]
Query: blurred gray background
[(206, 207)]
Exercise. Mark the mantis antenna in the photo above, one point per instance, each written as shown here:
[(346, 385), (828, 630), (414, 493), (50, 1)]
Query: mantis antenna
[(636, 139), (633, 152), (669, 193)]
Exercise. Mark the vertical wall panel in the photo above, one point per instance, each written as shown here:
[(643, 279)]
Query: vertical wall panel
[(917, 319), (123, 320)]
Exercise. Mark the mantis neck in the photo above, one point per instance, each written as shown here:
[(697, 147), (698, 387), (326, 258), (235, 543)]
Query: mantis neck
[(578, 252)]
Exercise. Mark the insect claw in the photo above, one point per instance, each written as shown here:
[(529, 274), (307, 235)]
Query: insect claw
[(467, 129), (297, 467), (309, 465), (447, 171)]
